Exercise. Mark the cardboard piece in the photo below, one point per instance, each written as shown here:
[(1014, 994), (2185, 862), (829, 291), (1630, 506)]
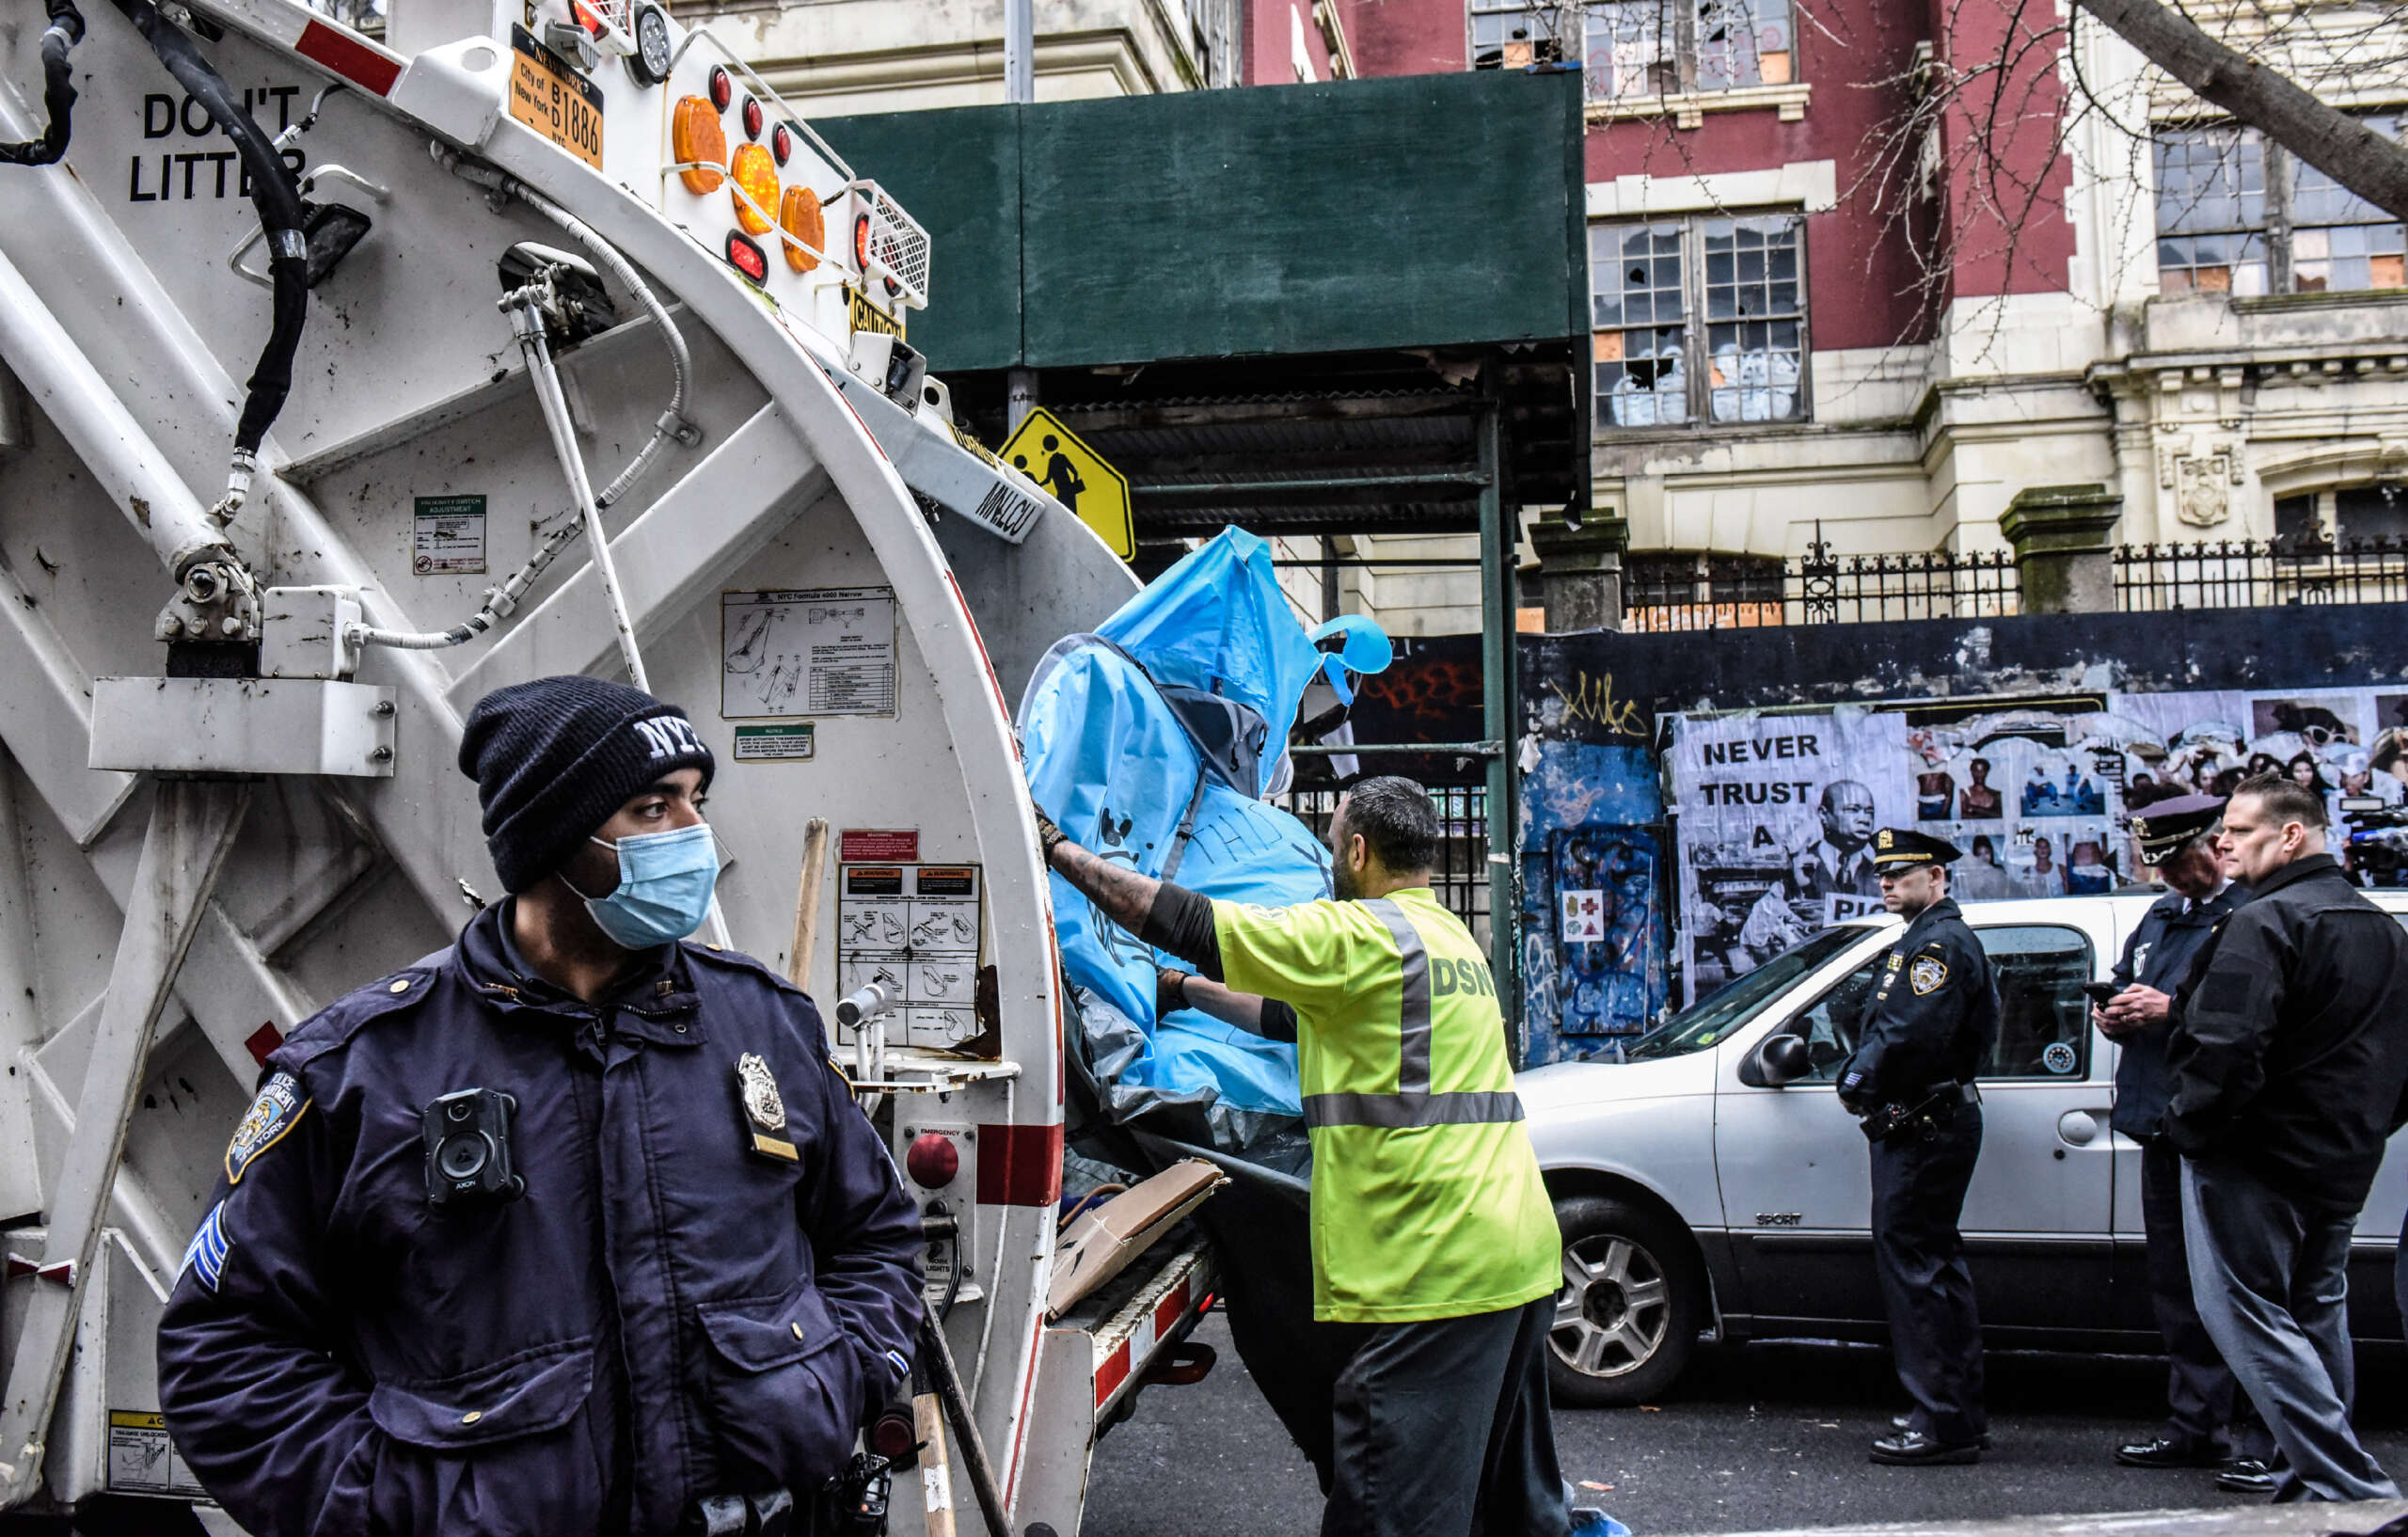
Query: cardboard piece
[(1100, 1243)]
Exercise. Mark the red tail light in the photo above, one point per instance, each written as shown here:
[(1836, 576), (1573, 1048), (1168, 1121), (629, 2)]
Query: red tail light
[(747, 258)]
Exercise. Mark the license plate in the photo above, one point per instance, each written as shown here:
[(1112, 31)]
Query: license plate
[(554, 99)]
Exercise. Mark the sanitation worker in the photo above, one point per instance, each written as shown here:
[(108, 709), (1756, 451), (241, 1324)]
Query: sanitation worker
[(1434, 1247), (569, 1227), (1930, 1026)]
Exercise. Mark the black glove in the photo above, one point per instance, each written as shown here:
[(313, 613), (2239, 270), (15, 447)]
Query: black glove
[(1048, 836), (1170, 990)]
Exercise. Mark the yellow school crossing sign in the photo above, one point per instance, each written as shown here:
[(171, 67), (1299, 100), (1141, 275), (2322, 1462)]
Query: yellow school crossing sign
[(1052, 455)]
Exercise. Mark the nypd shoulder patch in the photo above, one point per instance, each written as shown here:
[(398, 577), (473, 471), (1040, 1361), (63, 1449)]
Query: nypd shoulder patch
[(205, 1256), (272, 1114), (1927, 974)]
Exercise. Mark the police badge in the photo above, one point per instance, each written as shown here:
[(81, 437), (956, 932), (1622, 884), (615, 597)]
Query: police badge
[(1926, 974), (765, 1113)]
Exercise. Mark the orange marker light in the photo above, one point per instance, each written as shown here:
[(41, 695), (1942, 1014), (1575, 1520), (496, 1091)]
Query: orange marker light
[(694, 134), (757, 175), (800, 216)]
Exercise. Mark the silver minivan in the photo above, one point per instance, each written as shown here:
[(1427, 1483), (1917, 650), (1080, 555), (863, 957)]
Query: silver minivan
[(1705, 1192)]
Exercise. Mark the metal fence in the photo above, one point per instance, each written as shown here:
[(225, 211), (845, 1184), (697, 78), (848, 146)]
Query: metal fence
[(1698, 592), (1718, 592), (1461, 876), (2244, 574)]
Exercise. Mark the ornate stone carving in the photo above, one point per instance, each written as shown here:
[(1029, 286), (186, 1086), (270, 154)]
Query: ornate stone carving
[(2203, 488)]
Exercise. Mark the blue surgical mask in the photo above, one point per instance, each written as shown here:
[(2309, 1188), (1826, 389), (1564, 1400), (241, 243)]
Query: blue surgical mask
[(665, 884)]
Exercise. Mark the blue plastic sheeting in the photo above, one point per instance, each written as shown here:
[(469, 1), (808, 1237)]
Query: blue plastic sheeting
[(1149, 741)]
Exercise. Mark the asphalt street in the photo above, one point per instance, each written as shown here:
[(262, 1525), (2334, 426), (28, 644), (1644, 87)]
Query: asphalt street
[(1755, 1436)]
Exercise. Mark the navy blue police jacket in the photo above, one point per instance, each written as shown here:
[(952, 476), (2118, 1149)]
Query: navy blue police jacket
[(1932, 1019), (2171, 936), (666, 1313)]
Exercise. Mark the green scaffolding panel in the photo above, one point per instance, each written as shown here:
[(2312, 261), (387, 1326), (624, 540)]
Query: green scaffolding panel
[(1359, 215), (958, 172)]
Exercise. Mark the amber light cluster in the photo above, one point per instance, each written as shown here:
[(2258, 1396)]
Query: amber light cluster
[(698, 140)]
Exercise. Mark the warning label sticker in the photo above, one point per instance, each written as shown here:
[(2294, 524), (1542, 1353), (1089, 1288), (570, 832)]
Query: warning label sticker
[(447, 535), (142, 1461), (774, 744)]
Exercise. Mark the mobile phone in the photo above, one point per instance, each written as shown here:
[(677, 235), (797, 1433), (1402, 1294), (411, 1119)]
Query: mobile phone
[(2101, 993)]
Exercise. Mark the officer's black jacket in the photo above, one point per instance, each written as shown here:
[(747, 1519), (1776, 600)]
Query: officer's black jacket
[(1932, 1018), (2290, 1056), (2160, 955)]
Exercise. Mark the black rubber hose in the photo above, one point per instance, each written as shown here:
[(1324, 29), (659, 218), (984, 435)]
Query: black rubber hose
[(57, 89), (274, 193)]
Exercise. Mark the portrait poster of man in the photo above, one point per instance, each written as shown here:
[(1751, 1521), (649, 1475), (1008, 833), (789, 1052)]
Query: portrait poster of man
[(1777, 818)]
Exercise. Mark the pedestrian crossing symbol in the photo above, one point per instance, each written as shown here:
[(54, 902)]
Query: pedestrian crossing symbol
[(1076, 476)]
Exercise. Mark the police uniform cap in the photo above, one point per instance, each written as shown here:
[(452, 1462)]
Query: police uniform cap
[(1895, 848), (2165, 826)]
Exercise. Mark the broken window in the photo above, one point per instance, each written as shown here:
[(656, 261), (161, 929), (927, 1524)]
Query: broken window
[(2237, 214), (1516, 35), (1651, 284), (1634, 50)]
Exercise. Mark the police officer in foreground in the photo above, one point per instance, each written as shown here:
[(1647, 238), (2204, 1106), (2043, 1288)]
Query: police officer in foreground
[(1924, 1036), (1434, 1246), (569, 1227), (2209, 1422)]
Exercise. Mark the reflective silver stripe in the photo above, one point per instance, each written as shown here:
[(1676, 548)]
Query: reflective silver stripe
[(1403, 1110), (1413, 1015)]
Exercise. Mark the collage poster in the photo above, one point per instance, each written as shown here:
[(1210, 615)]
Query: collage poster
[(1777, 813)]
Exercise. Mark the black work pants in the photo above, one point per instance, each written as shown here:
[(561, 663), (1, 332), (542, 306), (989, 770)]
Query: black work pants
[(1442, 1429), (2206, 1409), (1935, 1330)]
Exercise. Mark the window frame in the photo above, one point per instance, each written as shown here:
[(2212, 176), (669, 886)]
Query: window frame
[(1675, 24), (1696, 324), (2277, 231)]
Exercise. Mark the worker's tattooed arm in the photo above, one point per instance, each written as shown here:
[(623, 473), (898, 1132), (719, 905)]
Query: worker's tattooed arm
[(1168, 917)]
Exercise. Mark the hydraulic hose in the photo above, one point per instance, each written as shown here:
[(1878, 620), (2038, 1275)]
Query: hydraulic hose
[(673, 420), (500, 603), (283, 217), (57, 89)]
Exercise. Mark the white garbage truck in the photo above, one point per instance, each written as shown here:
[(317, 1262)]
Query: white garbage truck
[(350, 376)]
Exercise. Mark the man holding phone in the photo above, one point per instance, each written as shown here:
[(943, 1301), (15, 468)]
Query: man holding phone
[(2210, 1423)]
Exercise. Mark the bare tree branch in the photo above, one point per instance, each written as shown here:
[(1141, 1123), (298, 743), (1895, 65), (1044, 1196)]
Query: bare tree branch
[(2340, 146)]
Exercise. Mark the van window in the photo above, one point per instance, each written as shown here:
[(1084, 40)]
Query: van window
[(1829, 1026), (2044, 1020)]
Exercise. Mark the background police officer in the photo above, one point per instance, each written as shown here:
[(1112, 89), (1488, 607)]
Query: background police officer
[(1434, 1247), (2290, 1055), (2208, 1420), (1923, 1037), (564, 1228)]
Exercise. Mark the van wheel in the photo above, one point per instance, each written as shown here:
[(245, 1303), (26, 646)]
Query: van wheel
[(1626, 1316)]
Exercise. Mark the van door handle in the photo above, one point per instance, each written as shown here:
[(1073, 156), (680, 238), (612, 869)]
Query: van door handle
[(2078, 1127)]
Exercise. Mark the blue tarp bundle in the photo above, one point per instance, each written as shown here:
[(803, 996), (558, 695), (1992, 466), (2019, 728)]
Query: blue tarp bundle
[(1152, 741)]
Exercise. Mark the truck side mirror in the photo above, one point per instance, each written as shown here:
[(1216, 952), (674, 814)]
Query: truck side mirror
[(1781, 1059)]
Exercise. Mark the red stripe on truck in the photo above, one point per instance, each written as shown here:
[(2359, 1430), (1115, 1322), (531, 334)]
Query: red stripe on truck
[(1168, 1311), (1110, 1375), (360, 62), (1020, 1165)]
